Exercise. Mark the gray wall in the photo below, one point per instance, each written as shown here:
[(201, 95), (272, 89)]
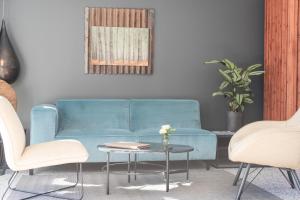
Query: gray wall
[(49, 38)]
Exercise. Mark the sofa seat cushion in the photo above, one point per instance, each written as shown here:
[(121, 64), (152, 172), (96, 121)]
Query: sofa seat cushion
[(76, 133)]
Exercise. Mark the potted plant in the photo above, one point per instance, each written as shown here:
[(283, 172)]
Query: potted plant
[(236, 88)]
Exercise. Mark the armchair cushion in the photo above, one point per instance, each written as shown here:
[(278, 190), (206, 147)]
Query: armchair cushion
[(276, 147), (52, 153)]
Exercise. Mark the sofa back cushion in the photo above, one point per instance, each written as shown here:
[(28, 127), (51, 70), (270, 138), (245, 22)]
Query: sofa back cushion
[(152, 113), (93, 114)]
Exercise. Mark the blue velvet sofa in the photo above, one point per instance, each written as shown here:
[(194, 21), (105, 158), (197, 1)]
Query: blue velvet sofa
[(99, 121)]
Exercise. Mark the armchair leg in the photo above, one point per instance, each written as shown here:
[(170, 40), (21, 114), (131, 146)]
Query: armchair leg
[(79, 177), (31, 172), (290, 176), (238, 174), (296, 179), (10, 182), (240, 192)]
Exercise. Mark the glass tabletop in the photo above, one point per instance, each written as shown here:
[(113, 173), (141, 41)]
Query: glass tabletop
[(154, 147)]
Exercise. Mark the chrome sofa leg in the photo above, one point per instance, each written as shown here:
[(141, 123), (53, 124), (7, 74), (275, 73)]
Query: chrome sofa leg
[(238, 174), (207, 165), (79, 177), (240, 192)]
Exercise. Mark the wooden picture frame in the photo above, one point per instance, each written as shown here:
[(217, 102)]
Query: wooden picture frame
[(119, 40)]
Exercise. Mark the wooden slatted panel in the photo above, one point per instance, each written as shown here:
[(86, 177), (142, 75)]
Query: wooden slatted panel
[(109, 23), (298, 64), (281, 43), (292, 57), (132, 21), (126, 24), (144, 23), (115, 24), (151, 47), (121, 24), (119, 17)]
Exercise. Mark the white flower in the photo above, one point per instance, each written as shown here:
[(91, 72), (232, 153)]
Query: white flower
[(163, 131), (166, 126)]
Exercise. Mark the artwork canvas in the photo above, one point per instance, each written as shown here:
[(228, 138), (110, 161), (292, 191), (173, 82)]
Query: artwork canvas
[(119, 41)]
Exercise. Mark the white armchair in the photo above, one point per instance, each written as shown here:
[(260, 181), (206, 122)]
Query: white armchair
[(19, 157), (268, 143)]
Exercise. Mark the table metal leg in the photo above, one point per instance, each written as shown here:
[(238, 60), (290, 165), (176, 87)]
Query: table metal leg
[(135, 165), (167, 171), (107, 173), (187, 165), (129, 168)]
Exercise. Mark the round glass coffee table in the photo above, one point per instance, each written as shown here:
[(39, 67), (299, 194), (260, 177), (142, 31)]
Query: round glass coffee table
[(154, 148)]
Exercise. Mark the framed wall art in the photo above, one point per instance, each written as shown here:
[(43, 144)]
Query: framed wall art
[(119, 40)]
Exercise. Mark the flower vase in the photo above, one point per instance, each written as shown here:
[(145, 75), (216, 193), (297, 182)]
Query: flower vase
[(165, 139)]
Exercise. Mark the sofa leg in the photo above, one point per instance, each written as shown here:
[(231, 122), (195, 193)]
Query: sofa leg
[(31, 172), (238, 174), (207, 165), (241, 189)]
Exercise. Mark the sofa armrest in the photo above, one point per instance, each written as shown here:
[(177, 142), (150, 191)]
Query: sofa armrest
[(44, 123)]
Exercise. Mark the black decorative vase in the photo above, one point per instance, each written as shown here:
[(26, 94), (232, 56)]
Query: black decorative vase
[(9, 63), (234, 121)]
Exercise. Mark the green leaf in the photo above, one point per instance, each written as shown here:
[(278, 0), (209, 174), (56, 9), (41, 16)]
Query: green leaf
[(223, 85), (248, 100), (242, 108), (228, 94), (255, 73), (226, 76), (213, 62), (235, 107), (236, 75), (253, 67), (239, 98), (227, 71), (247, 89), (229, 64), (245, 95), (217, 93), (245, 74)]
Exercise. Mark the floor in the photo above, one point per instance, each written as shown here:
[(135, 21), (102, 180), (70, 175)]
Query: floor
[(272, 181), (217, 182)]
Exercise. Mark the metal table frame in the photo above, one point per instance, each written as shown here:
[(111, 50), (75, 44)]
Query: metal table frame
[(166, 172)]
